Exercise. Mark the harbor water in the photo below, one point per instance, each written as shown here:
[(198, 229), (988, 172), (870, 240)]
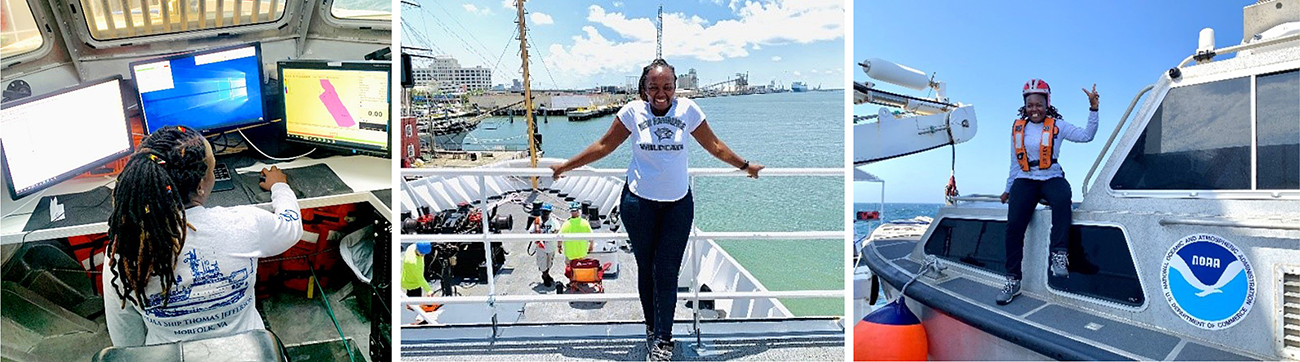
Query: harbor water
[(892, 211), (777, 130)]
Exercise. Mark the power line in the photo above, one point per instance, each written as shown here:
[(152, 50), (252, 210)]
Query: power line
[(544, 66)]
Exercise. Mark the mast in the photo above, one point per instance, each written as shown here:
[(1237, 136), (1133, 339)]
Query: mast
[(528, 92), (659, 34)]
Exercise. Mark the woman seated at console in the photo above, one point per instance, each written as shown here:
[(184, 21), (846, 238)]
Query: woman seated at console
[(177, 270)]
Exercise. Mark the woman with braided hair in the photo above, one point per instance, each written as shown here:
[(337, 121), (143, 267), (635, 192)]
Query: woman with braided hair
[(177, 270), (1036, 140), (656, 204)]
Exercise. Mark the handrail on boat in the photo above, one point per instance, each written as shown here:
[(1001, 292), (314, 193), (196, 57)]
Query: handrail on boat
[(482, 173), (546, 172), (1240, 47), (1113, 134), (1229, 223)]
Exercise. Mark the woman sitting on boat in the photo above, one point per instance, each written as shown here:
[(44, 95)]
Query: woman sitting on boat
[(177, 270), (1035, 175), (656, 203)]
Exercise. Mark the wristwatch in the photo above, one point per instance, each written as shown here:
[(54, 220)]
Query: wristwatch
[(745, 166)]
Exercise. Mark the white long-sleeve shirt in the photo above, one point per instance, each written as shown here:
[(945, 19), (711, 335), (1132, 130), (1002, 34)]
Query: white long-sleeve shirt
[(213, 293), (1033, 137)]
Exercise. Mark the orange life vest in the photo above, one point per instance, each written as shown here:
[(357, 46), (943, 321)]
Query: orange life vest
[(1044, 147)]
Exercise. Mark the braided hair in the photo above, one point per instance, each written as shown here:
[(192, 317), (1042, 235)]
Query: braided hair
[(1051, 112), (148, 227), (645, 73)]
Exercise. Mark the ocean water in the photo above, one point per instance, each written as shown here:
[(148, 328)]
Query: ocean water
[(776, 130), (892, 211)]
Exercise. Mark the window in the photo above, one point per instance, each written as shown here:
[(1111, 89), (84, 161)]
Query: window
[(18, 31), (408, 131), (1198, 139), (978, 243), (1100, 266), (362, 9), (1277, 118), (1100, 263), (107, 19), (410, 151)]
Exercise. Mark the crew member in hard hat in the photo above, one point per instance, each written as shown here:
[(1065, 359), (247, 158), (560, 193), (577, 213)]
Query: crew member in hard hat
[(413, 281), (1036, 140), (544, 250), (575, 249), (656, 203)]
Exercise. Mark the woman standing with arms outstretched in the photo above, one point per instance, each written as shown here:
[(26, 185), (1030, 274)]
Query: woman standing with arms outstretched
[(656, 203)]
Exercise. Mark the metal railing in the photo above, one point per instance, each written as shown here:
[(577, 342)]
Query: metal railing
[(482, 173)]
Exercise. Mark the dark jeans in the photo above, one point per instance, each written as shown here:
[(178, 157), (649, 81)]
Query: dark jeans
[(1021, 201), (658, 232)]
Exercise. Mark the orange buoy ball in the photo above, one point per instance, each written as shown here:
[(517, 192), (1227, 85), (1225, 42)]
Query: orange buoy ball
[(891, 333)]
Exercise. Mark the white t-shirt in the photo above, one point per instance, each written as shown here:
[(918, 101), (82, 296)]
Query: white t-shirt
[(658, 168), (215, 273)]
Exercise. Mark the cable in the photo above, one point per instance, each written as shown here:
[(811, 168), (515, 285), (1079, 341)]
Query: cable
[(325, 299), (250, 143)]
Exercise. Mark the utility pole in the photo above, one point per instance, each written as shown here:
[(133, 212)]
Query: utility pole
[(528, 92)]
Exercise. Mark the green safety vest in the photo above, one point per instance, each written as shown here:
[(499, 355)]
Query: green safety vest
[(575, 249)]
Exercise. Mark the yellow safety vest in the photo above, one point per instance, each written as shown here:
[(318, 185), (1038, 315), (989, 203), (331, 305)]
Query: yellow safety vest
[(575, 249)]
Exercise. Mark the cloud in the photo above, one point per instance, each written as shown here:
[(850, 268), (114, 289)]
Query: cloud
[(508, 4), (797, 73), (616, 42), (476, 10), (776, 58), (540, 19), (618, 4)]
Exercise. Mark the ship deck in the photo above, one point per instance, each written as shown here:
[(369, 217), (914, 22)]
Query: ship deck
[(596, 331)]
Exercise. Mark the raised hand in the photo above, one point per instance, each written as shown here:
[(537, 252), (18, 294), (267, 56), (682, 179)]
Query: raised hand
[(1094, 99)]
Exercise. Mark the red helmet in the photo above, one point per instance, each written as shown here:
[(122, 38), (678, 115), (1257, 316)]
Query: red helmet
[(1038, 86)]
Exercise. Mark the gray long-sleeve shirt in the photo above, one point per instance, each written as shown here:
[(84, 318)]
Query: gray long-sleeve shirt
[(1034, 135)]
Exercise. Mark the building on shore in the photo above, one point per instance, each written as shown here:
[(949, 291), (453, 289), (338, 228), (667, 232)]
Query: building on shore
[(445, 75), (689, 80)]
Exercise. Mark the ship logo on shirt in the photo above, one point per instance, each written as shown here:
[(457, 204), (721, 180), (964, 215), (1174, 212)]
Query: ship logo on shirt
[(210, 289)]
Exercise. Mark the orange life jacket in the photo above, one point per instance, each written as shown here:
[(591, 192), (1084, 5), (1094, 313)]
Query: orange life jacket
[(1044, 147)]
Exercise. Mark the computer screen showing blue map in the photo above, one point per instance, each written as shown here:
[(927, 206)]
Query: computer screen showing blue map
[(208, 91)]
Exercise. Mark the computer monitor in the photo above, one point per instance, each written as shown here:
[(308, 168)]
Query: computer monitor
[(211, 90), (55, 137), (338, 105)]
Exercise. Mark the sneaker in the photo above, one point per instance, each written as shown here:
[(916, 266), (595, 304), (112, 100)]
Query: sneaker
[(1009, 291), (649, 339), (662, 351), (547, 280), (1060, 262)]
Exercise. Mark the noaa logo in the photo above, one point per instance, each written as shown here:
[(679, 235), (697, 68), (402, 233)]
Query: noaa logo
[(1208, 281)]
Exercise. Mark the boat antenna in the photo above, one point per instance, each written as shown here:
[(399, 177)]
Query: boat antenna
[(528, 92)]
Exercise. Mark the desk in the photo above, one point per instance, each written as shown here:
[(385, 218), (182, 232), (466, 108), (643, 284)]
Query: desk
[(369, 177)]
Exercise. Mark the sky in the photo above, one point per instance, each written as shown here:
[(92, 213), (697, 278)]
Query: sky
[(986, 51), (584, 44)]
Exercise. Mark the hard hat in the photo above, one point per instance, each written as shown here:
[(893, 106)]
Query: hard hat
[(1038, 86), (546, 207), (575, 206), (424, 247)]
